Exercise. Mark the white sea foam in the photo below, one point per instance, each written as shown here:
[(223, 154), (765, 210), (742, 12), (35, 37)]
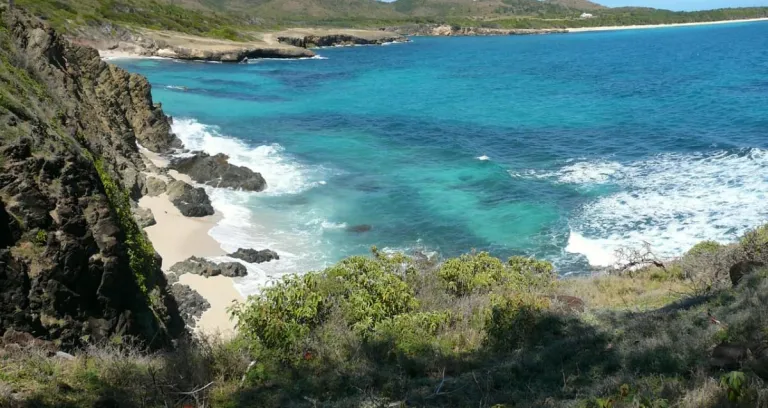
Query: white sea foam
[(283, 175), (247, 222), (175, 87), (671, 201), (483, 158), (315, 57)]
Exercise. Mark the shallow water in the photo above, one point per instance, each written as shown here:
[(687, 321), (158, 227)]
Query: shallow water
[(564, 147)]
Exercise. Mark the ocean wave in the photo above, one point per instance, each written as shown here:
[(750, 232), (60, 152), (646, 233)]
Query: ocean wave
[(176, 87), (483, 158), (293, 232), (316, 57), (671, 201), (283, 175)]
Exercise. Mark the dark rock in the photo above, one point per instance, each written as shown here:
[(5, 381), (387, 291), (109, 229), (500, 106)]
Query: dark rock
[(191, 201), (191, 304), (360, 228), (143, 217), (218, 172), (339, 39), (741, 269), (204, 267), (155, 186), (65, 246), (171, 277), (254, 256)]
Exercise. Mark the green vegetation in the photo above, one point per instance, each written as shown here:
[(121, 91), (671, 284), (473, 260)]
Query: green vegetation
[(140, 250), (68, 16), (388, 330), (237, 19)]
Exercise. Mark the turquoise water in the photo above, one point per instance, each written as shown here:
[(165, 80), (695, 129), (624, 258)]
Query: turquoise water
[(565, 147)]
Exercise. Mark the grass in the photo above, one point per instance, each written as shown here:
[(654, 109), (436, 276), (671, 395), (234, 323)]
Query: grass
[(390, 331)]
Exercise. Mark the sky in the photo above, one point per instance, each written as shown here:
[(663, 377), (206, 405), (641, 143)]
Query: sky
[(684, 4)]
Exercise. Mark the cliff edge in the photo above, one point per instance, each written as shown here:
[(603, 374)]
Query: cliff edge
[(74, 265)]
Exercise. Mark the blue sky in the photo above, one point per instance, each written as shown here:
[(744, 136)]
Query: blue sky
[(684, 4)]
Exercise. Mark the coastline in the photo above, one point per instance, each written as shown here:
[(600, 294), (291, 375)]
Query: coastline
[(649, 26), (177, 237)]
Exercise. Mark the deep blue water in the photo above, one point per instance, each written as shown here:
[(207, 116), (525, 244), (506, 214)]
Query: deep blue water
[(593, 141)]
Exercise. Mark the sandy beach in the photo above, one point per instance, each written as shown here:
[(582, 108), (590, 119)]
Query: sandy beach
[(176, 238), (636, 27)]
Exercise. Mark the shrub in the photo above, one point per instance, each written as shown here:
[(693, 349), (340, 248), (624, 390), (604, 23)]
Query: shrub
[(283, 314), (470, 273), (364, 290), (411, 333), (512, 321), (754, 244), (530, 274)]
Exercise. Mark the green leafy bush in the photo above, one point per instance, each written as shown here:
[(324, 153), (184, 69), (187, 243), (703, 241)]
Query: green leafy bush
[(285, 313), (479, 273), (411, 333), (471, 273)]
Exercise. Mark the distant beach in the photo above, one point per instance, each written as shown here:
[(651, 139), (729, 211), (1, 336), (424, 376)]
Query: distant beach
[(636, 27)]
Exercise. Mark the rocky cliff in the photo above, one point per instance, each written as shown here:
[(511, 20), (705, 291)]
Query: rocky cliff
[(445, 30), (74, 265)]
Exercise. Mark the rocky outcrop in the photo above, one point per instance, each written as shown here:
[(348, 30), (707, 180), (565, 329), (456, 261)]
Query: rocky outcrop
[(254, 256), (338, 39), (191, 201), (143, 216), (191, 304), (155, 186), (204, 267), (233, 53), (216, 171), (445, 30), (73, 263), (111, 37)]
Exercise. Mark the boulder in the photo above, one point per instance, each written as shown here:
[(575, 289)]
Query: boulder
[(155, 186), (360, 228), (143, 217), (254, 256), (191, 304), (741, 269), (204, 267), (191, 201), (218, 172)]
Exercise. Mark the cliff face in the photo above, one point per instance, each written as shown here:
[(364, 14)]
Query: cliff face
[(74, 266)]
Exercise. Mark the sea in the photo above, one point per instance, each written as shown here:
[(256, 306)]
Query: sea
[(564, 147)]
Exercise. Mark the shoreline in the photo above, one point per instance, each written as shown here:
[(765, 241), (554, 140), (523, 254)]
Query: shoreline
[(649, 26), (176, 238)]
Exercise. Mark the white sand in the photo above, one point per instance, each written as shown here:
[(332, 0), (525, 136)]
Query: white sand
[(176, 238), (635, 27)]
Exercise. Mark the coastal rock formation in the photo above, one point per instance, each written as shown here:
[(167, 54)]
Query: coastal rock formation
[(204, 267), (144, 42), (338, 39), (218, 172), (143, 216), (360, 228), (445, 30), (155, 186), (254, 256), (191, 201), (74, 264), (232, 53), (191, 304)]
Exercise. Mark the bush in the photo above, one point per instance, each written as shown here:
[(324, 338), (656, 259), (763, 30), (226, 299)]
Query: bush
[(470, 273), (514, 321), (365, 291), (283, 314), (480, 273)]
